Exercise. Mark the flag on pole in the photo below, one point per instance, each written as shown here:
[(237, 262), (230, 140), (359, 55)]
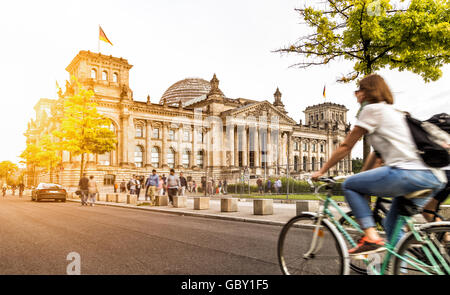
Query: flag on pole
[(324, 95), (102, 36)]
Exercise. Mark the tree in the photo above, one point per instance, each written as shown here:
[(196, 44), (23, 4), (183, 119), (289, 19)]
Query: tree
[(7, 168), (31, 158), (357, 165), (375, 35), (48, 155), (83, 130)]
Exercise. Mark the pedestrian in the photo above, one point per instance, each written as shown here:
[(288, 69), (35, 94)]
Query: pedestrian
[(213, 186), (173, 184), (269, 186), (13, 189), (220, 186), (151, 185), (116, 186), (160, 186), (183, 184), (4, 188), (260, 185), (194, 186), (404, 171), (137, 183), (277, 186), (132, 186), (225, 186), (21, 189), (189, 187), (93, 190), (164, 179), (83, 185), (123, 186)]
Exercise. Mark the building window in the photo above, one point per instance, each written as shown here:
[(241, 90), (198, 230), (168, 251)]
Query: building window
[(115, 78), (321, 162), (296, 163), (109, 179), (105, 75), (200, 159), (296, 146), (251, 158), (314, 147), (313, 164), (94, 74), (139, 131), (312, 119), (305, 160), (341, 118), (322, 148), (185, 159), (263, 159), (171, 158), (317, 117), (240, 162), (155, 133), (305, 146), (199, 136), (186, 135), (104, 159), (321, 116), (138, 156), (171, 134), (155, 157)]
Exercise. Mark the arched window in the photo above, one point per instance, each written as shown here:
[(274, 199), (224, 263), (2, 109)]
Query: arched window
[(138, 156), (171, 158), (200, 159), (185, 159), (321, 162), (296, 163), (313, 164), (305, 162), (105, 75), (155, 157), (115, 78), (94, 74)]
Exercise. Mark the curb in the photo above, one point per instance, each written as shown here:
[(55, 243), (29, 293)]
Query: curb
[(193, 214)]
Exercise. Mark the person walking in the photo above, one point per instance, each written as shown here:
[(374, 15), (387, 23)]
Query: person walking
[(277, 186), (164, 179), (194, 186), (173, 184), (4, 188), (132, 186), (151, 185), (160, 186), (404, 171), (269, 186), (116, 186), (259, 183), (219, 185), (138, 187), (123, 187), (21, 189), (93, 190), (83, 185), (183, 184), (225, 186)]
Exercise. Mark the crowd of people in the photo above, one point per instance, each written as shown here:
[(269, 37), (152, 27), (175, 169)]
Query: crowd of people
[(20, 187)]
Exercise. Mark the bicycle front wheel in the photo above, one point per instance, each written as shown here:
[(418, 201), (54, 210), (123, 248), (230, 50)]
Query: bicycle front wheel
[(307, 249), (413, 250)]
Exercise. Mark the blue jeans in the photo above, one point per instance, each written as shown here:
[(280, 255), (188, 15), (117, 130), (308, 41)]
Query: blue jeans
[(387, 182)]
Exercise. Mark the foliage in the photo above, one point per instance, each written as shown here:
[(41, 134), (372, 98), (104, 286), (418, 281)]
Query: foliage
[(7, 168), (375, 35), (83, 130), (357, 165)]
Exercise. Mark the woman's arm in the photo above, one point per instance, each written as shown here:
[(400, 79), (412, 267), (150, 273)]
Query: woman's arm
[(343, 150)]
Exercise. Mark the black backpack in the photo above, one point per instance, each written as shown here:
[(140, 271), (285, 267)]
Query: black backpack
[(441, 120), (432, 153)]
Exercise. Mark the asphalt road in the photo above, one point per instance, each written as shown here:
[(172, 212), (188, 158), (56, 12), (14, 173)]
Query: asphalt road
[(35, 238)]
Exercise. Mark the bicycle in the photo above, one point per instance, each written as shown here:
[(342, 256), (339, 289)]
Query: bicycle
[(422, 250), (379, 213)]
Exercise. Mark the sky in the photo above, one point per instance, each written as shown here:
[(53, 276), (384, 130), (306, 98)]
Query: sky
[(167, 41)]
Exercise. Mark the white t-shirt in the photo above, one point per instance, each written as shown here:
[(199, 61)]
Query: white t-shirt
[(389, 134)]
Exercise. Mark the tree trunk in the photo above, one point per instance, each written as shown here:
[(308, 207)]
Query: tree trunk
[(82, 165)]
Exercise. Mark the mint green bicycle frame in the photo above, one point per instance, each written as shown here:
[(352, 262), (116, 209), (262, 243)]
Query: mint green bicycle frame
[(390, 247)]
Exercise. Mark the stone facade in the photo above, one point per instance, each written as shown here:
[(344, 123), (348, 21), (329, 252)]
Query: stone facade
[(209, 135)]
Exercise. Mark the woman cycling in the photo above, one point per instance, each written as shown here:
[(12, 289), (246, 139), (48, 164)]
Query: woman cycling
[(404, 171)]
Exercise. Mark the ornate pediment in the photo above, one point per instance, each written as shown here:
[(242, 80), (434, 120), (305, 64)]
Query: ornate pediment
[(260, 109)]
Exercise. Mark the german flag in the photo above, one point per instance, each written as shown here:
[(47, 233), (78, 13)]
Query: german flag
[(324, 95), (102, 36)]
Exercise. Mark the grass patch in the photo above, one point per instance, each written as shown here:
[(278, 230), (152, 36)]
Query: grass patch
[(144, 204)]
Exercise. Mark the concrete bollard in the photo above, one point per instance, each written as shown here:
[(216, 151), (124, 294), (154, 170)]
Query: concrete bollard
[(121, 198), (111, 197), (132, 199), (263, 207), (102, 197), (70, 195), (307, 206), (228, 205), (179, 201), (161, 200), (201, 203)]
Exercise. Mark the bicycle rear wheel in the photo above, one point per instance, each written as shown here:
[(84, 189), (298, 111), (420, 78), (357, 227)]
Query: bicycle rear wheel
[(296, 255), (439, 234)]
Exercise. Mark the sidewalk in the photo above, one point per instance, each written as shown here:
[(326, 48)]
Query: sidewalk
[(282, 213)]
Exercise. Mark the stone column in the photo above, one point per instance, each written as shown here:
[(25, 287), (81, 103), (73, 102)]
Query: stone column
[(123, 143), (192, 156), (269, 148), (236, 146), (164, 146), (257, 148), (148, 144), (230, 145), (179, 157), (244, 146)]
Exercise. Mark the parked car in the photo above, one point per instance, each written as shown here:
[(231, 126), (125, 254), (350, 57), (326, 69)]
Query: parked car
[(49, 191)]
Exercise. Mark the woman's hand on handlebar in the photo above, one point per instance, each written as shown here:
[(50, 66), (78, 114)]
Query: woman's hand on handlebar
[(315, 176)]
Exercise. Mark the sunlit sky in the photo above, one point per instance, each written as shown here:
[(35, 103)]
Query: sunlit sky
[(168, 41)]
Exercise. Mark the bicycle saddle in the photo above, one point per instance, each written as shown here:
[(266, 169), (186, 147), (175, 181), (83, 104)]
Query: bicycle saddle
[(418, 194)]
